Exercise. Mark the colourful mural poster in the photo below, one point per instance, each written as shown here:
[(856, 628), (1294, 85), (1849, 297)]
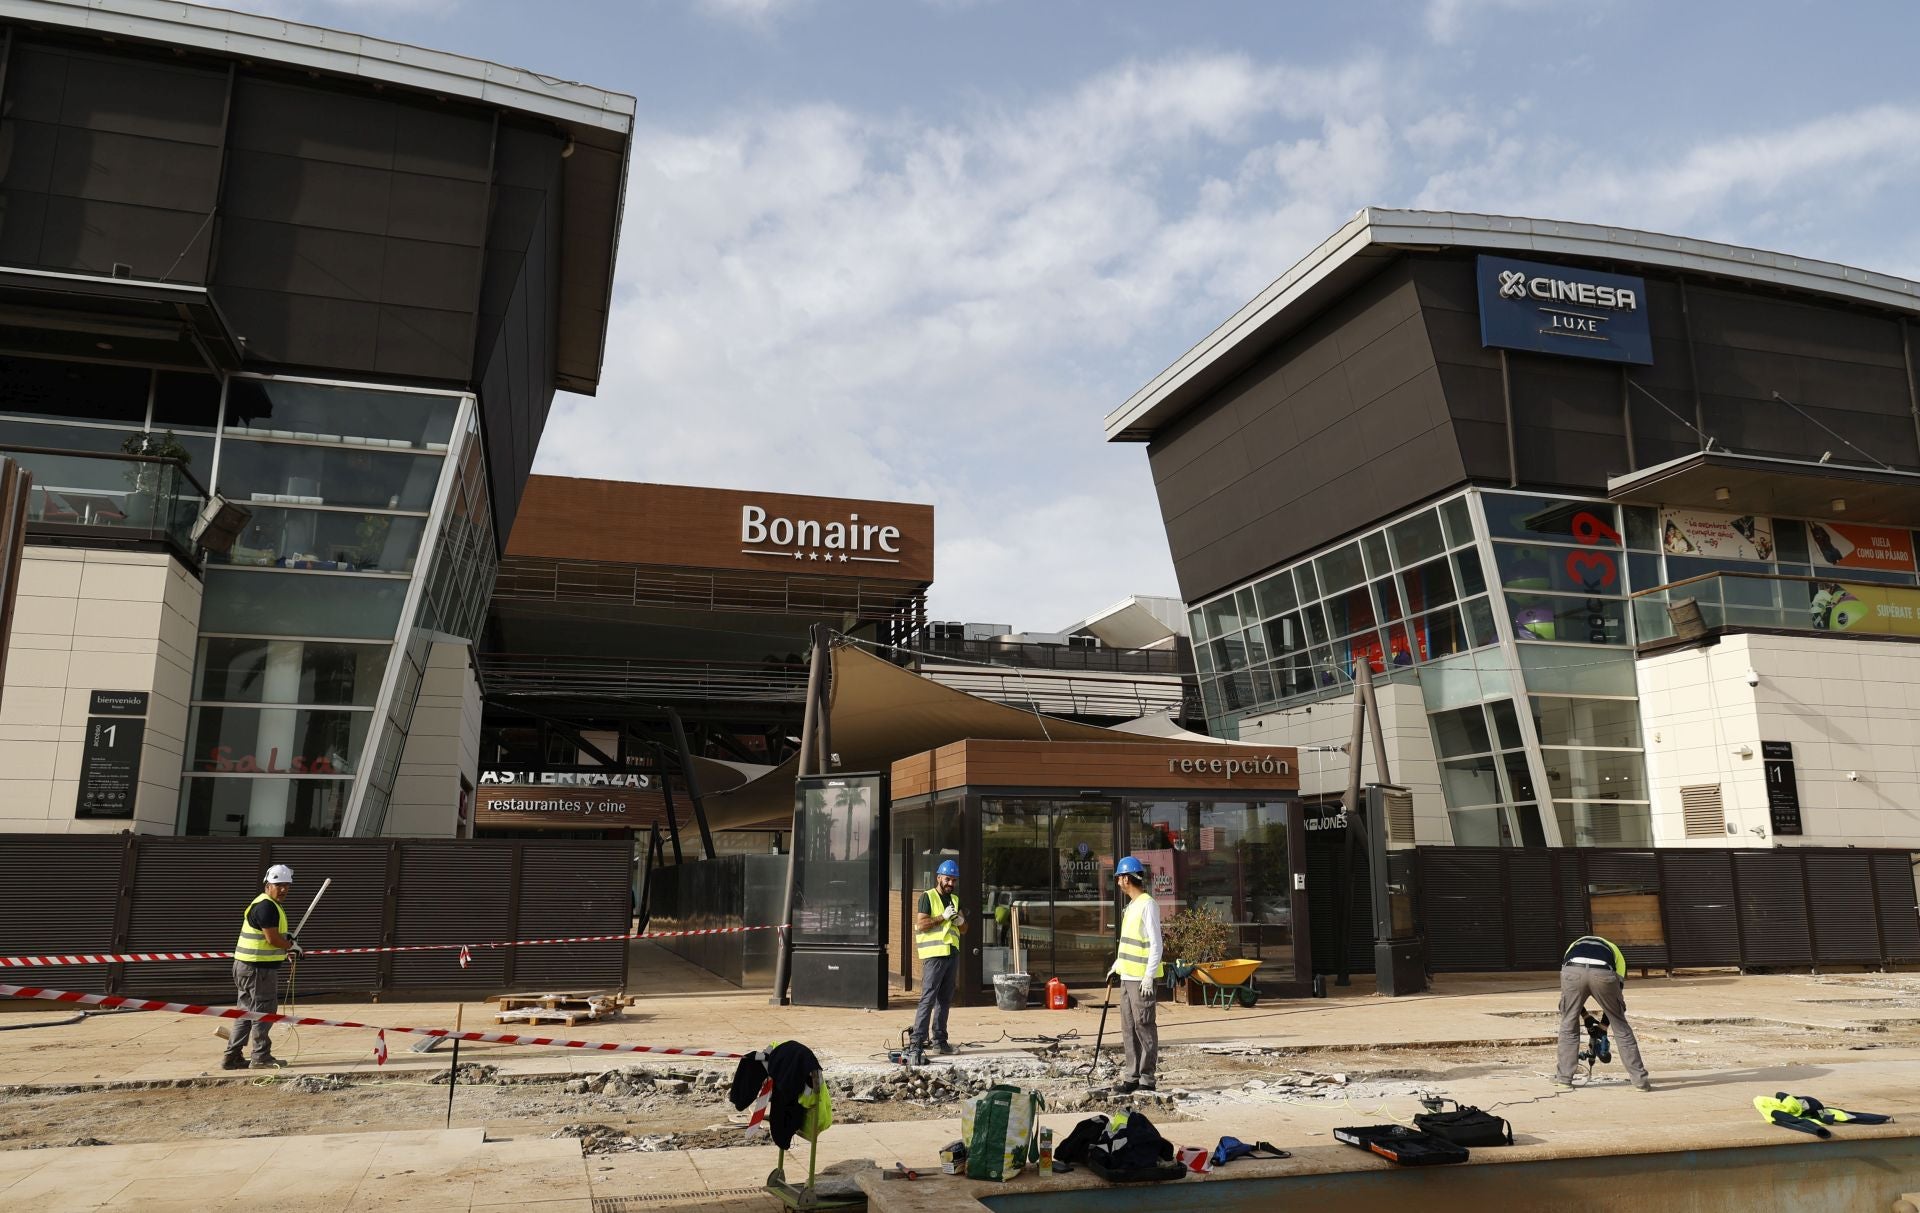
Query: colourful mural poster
[(1846, 545), (1716, 536)]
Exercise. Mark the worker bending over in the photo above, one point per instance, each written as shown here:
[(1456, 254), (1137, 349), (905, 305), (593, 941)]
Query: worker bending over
[(938, 925), (1595, 968), (263, 948), (1139, 965)]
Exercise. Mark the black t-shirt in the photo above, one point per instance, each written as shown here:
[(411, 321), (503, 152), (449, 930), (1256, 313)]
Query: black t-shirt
[(260, 916)]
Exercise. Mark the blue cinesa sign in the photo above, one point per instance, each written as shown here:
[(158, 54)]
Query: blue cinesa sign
[(1554, 309)]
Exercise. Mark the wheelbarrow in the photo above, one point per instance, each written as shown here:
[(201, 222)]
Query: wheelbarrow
[(1227, 983)]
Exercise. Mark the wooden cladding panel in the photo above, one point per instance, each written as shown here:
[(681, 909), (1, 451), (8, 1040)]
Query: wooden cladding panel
[(620, 522), (1093, 764), (913, 776)]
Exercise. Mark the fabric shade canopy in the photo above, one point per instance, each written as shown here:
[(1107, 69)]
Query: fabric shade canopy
[(880, 713)]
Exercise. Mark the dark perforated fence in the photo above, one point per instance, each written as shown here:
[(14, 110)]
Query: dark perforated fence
[(1494, 909), (66, 894)]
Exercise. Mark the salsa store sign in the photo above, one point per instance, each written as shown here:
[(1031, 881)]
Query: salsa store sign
[(579, 808), (1557, 309)]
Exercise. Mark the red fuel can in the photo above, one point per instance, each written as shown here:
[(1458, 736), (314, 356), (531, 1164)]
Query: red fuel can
[(1056, 994)]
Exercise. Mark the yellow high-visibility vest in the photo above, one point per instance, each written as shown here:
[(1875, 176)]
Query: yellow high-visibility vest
[(944, 938), (253, 946), (1134, 943)]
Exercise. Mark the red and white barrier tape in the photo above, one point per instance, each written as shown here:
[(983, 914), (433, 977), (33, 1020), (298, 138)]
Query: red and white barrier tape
[(307, 1021), (100, 958)]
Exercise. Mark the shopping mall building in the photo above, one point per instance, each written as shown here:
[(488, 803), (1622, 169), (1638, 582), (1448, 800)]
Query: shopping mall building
[(1619, 522), (335, 281)]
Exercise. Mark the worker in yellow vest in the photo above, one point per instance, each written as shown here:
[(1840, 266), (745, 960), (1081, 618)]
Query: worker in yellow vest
[(938, 925), (263, 948), (1139, 966)]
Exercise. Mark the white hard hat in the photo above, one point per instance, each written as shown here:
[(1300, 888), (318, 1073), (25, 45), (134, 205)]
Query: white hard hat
[(279, 873)]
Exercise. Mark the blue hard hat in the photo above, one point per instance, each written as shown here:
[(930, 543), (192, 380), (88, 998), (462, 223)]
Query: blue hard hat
[(948, 868), (1128, 866)]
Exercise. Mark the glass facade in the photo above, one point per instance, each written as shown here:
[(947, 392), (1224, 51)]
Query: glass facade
[(370, 535), (1510, 611), (315, 626), (1514, 612)]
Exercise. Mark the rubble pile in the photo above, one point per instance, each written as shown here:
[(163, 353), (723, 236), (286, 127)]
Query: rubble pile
[(316, 1084), (474, 1072), (635, 1081), (605, 1139)]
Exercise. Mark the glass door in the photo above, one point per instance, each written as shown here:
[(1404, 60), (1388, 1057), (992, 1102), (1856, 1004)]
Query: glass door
[(1048, 865), (1085, 923)]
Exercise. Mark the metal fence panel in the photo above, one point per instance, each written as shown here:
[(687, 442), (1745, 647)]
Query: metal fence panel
[(1697, 892), (1893, 886), (453, 892), (566, 889), (349, 916), (1772, 897), (1844, 922), (60, 895), (1466, 920), (189, 895), (1532, 897)]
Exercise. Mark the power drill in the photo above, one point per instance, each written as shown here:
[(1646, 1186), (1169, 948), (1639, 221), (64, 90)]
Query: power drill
[(1599, 1047)]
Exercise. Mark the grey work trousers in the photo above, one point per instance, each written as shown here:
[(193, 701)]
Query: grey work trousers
[(1577, 984), (1139, 1033), (937, 974), (258, 989)]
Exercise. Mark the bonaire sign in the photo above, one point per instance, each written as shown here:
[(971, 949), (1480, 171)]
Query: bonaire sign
[(1557, 309), (843, 540)]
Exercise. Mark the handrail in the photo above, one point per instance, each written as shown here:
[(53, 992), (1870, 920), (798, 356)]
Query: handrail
[(117, 456), (1697, 578)]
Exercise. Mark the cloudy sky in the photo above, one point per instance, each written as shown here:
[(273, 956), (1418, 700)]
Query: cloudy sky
[(917, 249)]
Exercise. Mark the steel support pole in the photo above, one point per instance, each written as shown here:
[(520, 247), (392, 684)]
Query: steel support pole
[(1356, 814), (693, 781), (809, 725)]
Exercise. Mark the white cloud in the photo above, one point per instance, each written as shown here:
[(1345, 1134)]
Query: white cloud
[(1747, 187), (823, 300), (757, 14), (1447, 21)]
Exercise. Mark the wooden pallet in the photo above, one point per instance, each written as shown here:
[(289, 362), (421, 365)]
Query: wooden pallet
[(569, 1007)]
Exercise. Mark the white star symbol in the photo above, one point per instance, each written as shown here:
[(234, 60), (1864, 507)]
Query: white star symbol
[(843, 558), (813, 555), (796, 555)]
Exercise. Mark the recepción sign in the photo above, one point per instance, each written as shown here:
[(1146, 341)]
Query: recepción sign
[(1557, 309)]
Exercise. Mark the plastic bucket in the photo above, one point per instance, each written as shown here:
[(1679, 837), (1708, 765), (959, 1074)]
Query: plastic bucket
[(1010, 990)]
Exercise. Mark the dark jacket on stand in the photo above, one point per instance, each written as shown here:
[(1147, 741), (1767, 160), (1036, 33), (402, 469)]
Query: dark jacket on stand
[(792, 1066)]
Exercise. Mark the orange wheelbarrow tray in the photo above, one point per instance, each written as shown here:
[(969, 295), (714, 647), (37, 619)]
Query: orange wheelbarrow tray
[(1228, 982)]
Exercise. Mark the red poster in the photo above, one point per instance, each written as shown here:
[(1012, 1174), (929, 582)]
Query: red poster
[(1844, 545)]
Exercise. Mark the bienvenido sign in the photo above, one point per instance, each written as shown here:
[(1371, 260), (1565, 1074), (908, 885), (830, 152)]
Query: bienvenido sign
[(814, 539)]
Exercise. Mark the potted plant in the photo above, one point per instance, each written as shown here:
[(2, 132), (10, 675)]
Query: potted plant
[(1194, 936)]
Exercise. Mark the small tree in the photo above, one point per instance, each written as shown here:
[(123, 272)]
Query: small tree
[(1197, 935)]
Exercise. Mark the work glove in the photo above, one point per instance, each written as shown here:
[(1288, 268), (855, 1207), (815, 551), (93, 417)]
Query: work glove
[(294, 948), (951, 914), (1146, 992)]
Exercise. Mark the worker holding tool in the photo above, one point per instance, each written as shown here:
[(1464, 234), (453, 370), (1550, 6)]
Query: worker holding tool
[(265, 944), (1139, 966), (938, 925), (1595, 968)]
